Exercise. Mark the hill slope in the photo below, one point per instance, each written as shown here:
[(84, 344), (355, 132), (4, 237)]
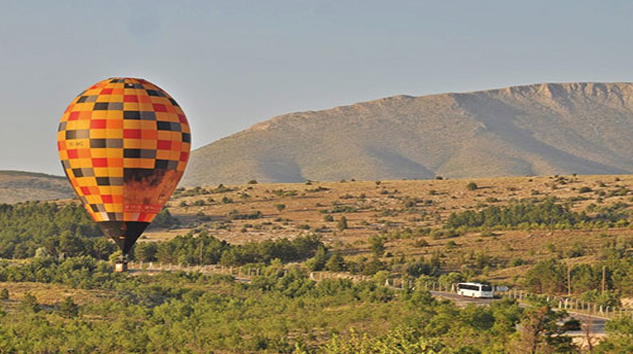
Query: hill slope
[(16, 186), (540, 129)]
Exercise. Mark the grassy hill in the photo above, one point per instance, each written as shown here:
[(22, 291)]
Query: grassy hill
[(18, 186), (540, 129)]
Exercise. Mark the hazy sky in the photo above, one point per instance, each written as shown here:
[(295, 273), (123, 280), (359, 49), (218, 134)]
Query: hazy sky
[(234, 63)]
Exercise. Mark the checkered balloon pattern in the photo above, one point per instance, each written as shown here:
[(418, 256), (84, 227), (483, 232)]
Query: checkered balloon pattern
[(124, 144)]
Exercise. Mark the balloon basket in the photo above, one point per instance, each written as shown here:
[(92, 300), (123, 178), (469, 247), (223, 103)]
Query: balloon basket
[(120, 267)]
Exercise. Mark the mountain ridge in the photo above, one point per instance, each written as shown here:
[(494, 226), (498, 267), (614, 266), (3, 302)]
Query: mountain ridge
[(21, 186), (547, 128)]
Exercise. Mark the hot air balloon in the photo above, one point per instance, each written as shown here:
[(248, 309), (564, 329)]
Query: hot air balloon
[(124, 144)]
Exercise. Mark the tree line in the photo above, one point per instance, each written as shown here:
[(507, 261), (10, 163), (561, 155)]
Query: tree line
[(546, 213), (204, 249)]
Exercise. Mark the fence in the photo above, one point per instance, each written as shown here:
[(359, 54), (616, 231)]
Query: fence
[(569, 304), (245, 273)]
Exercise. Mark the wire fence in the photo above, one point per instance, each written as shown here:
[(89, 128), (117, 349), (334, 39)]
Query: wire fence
[(246, 273), (567, 303)]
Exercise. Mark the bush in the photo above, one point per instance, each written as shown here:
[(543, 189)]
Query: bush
[(377, 245), (342, 223), (68, 308), (164, 219), (336, 263), (584, 190), (29, 303), (471, 186)]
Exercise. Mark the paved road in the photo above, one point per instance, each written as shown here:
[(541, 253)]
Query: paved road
[(597, 323), (463, 301)]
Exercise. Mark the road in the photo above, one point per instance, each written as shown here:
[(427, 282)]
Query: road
[(597, 323), (461, 301)]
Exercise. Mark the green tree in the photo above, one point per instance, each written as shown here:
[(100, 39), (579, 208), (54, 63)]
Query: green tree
[(29, 303), (336, 263), (377, 243), (540, 333), (318, 261), (4, 294), (68, 308), (71, 245), (471, 186), (280, 207), (102, 248), (620, 336), (145, 251), (164, 219), (547, 277)]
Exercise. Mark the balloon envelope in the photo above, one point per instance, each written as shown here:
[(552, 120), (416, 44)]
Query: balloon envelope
[(124, 144)]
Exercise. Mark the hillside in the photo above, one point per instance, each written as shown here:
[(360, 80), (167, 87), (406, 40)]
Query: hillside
[(554, 236), (541, 129), (402, 209), (17, 186)]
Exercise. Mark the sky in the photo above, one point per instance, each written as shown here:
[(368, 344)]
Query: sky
[(231, 64)]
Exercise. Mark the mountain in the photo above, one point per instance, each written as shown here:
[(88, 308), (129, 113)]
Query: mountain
[(17, 186), (540, 129)]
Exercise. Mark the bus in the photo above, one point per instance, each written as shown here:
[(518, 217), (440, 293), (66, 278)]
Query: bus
[(475, 290)]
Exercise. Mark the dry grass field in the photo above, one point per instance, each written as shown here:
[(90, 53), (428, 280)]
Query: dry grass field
[(381, 207)]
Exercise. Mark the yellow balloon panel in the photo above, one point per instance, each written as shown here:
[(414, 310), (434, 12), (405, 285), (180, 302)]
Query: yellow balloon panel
[(124, 144)]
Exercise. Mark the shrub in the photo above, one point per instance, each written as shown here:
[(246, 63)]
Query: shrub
[(471, 186), (336, 263), (584, 190), (29, 303), (342, 223), (68, 308), (377, 245)]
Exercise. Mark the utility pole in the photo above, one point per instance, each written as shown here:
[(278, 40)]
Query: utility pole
[(568, 278), (604, 275)]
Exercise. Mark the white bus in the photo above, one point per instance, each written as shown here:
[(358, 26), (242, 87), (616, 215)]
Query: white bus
[(475, 290)]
